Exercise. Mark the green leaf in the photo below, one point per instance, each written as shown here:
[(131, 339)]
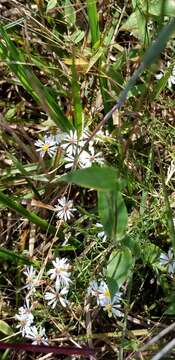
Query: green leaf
[(113, 213), (118, 267), (10, 113), (7, 255), (93, 21), (95, 177), (5, 328), (51, 4), (69, 13)]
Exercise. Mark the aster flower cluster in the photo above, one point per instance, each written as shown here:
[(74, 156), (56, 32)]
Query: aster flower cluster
[(103, 297), (71, 146), (56, 293)]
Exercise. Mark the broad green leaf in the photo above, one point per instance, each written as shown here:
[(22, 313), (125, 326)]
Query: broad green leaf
[(113, 213), (8, 255), (118, 267), (69, 13), (5, 328), (136, 24), (95, 177), (51, 4)]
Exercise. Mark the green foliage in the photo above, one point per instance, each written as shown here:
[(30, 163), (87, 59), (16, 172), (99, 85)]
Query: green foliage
[(113, 214), (7, 255), (5, 328), (93, 22), (119, 265), (31, 83), (98, 178)]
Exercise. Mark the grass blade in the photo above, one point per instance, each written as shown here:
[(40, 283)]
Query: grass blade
[(93, 21), (34, 218), (78, 116), (31, 83), (12, 256)]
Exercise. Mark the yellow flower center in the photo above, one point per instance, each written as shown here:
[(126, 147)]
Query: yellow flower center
[(45, 147), (107, 293)]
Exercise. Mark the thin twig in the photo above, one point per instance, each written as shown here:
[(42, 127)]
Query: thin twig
[(165, 350)]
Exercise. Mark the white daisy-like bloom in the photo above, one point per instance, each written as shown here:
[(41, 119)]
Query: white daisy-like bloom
[(111, 306), (31, 277), (93, 289), (101, 234), (88, 158), (57, 294), (64, 209), (47, 146), (103, 298), (25, 318), (71, 142), (61, 272), (168, 261), (38, 336), (70, 161)]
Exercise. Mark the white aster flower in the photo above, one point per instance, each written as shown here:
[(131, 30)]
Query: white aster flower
[(111, 306), (47, 146), (88, 158), (60, 272), (103, 298), (38, 336), (101, 234), (57, 294), (31, 277), (70, 161), (71, 142), (25, 318), (64, 209), (93, 289), (168, 261)]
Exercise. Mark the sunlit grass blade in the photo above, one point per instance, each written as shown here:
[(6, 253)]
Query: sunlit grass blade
[(31, 216), (15, 60), (78, 116), (93, 21)]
